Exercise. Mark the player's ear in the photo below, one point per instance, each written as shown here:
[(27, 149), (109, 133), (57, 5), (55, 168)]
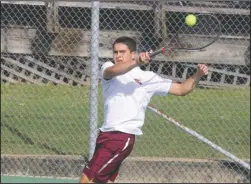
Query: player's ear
[(134, 54)]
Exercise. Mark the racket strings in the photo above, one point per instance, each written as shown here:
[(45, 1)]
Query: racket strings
[(205, 31)]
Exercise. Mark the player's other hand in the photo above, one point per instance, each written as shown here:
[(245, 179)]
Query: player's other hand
[(144, 58), (202, 70)]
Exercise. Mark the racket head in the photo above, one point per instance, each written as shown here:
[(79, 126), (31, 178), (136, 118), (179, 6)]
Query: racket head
[(204, 33)]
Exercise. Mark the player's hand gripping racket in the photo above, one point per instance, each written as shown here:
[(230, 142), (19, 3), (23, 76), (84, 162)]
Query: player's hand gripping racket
[(204, 33)]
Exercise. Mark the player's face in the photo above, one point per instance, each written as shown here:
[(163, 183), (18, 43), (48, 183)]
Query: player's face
[(121, 53)]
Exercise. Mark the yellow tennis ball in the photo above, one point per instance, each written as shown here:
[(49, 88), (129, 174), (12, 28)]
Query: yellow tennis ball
[(191, 20)]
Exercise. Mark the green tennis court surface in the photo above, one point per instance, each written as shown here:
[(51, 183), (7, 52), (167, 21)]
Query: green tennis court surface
[(22, 179)]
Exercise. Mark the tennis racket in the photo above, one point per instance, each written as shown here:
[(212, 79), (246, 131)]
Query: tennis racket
[(204, 33)]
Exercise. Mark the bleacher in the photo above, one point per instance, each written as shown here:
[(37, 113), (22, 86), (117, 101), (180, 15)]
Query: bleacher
[(39, 31)]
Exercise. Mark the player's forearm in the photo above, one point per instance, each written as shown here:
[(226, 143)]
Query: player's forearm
[(191, 83), (119, 69)]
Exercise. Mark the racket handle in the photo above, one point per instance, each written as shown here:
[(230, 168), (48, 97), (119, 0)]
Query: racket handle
[(162, 50)]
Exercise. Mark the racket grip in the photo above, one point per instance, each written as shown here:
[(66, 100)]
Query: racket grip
[(162, 50)]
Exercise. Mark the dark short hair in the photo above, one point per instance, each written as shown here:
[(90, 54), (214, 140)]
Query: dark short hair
[(128, 41)]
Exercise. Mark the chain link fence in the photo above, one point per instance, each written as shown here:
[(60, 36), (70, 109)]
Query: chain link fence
[(49, 99)]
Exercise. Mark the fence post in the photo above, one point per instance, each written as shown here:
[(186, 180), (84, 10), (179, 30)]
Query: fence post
[(94, 77)]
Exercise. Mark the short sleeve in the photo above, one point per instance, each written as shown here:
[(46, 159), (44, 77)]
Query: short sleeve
[(158, 85), (104, 66)]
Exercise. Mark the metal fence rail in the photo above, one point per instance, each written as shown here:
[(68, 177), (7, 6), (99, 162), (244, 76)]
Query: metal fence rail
[(51, 52)]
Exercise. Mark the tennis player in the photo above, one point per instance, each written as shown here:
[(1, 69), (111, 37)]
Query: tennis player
[(127, 91)]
